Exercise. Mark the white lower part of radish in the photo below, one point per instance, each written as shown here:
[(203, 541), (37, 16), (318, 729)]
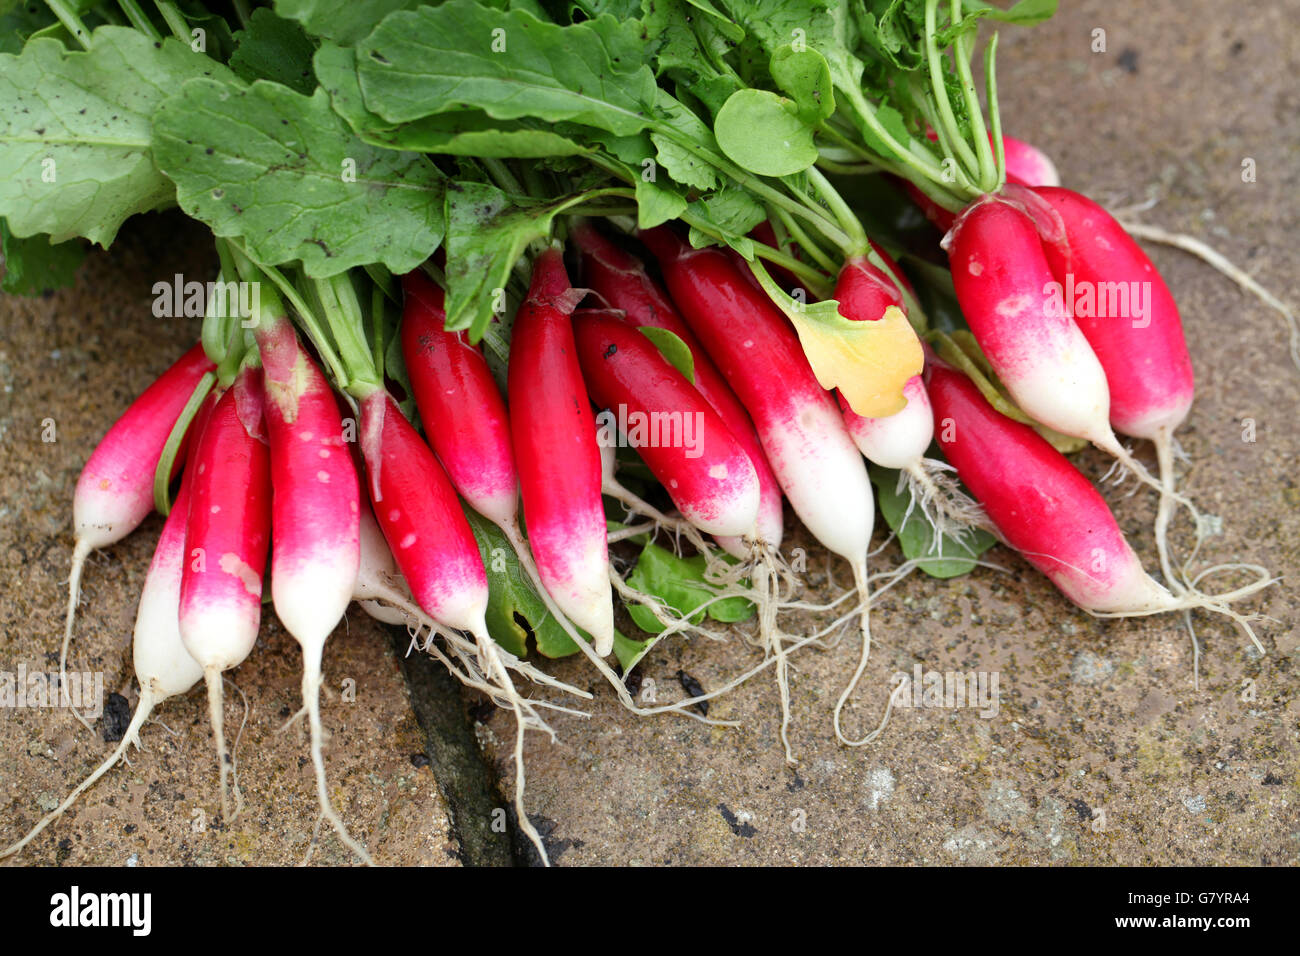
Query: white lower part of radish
[(822, 475)]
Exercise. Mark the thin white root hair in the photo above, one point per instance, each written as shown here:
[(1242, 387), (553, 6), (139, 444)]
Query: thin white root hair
[(884, 721), (216, 717), (239, 735), (681, 707), (949, 510), (312, 677), (1168, 495), (631, 531), (489, 658), (678, 527), (132, 736), (79, 555), (1218, 261), (665, 615)]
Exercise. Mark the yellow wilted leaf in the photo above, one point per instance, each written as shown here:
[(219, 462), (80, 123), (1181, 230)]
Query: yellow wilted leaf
[(869, 362)]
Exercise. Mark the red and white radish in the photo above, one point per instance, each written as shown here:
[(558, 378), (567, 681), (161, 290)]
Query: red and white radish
[(115, 490), (1049, 512), (801, 429), (315, 516), (460, 405), (226, 542), (900, 440), (553, 433), (1142, 350)]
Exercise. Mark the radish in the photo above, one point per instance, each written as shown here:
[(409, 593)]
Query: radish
[(460, 405), (448, 376), (621, 281), (315, 515), (1049, 512), (900, 440), (226, 545), (115, 490), (1144, 355), (758, 353), (162, 665), (553, 433), (705, 470), (803, 434), (421, 518)]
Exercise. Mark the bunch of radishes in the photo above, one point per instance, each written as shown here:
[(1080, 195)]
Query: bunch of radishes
[(756, 309)]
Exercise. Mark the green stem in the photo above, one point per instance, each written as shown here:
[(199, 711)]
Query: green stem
[(502, 176), (176, 22), (343, 316), (805, 242), (759, 188), (815, 281), (840, 209), (68, 17), (242, 12), (377, 327), (162, 476), (935, 62), (963, 49), (139, 19), (995, 114), (923, 165)]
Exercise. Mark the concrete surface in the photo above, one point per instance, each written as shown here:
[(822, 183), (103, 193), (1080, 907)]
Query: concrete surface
[(1101, 751)]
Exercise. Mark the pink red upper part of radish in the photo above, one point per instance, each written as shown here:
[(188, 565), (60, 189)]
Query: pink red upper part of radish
[(705, 470), (1106, 280), (462, 410), (621, 281)]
